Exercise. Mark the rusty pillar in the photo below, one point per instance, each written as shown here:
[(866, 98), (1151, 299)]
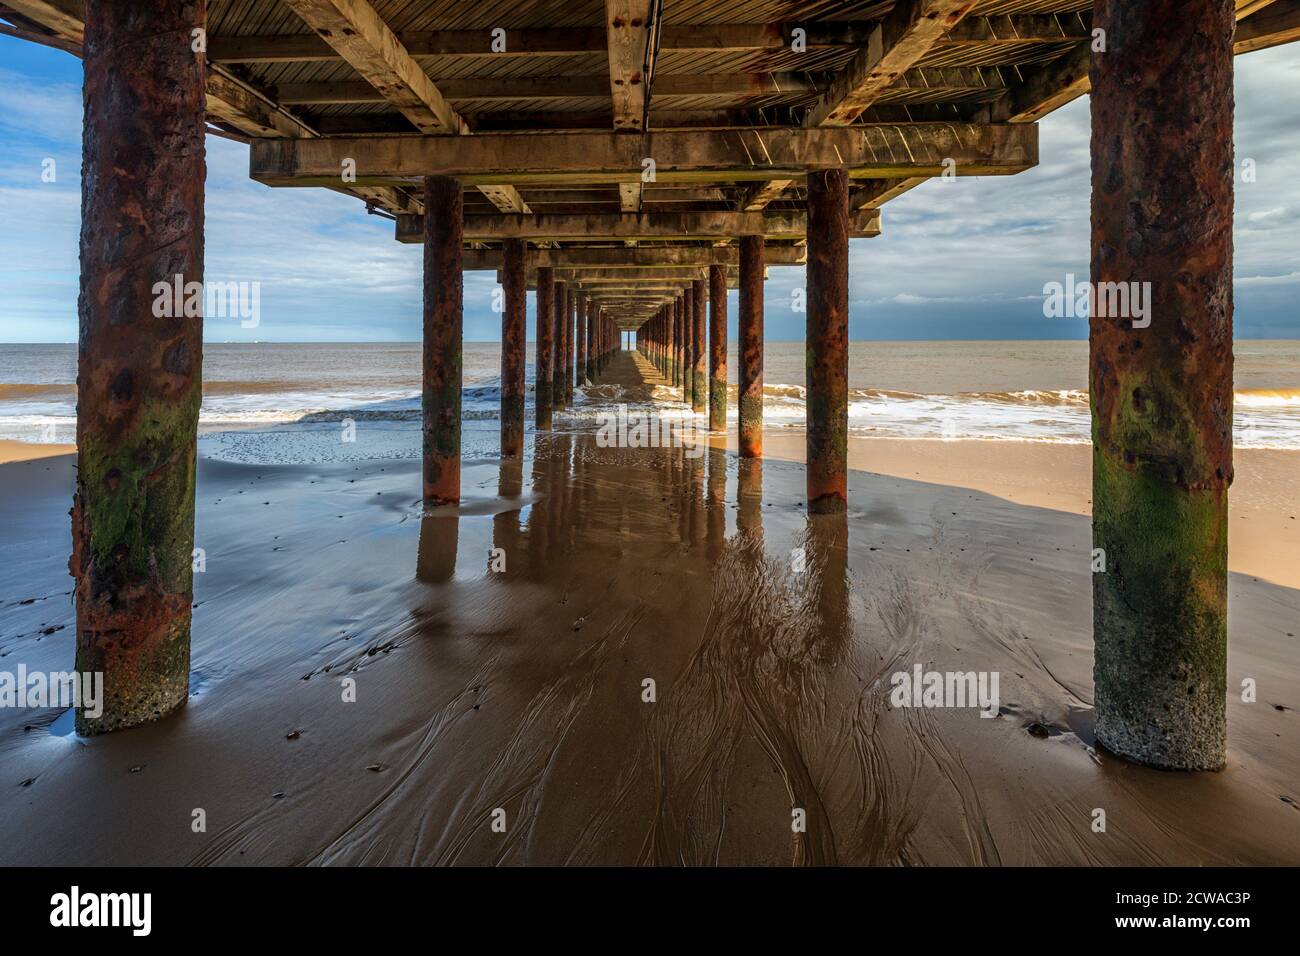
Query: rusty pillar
[(828, 340), (514, 348), (139, 376), (750, 378), (679, 312), (580, 354), (1161, 377), (443, 321), (561, 306), (543, 395), (593, 346), (700, 366), (570, 344), (717, 348)]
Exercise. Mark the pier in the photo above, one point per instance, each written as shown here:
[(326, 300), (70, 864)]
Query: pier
[(630, 161)]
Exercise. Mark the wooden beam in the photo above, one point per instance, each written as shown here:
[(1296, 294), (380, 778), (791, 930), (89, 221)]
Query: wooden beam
[(759, 195), (488, 88), (363, 39), (645, 257), (878, 151), (1017, 29), (877, 192), (906, 34), (627, 34), (680, 226), (1278, 24), (505, 197), (63, 17)]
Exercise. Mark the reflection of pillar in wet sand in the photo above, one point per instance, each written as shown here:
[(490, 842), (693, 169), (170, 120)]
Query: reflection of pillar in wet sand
[(1161, 384), (716, 501), (749, 495), (436, 559)]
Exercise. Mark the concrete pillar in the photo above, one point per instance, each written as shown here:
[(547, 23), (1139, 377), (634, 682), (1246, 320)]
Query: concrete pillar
[(139, 376), (543, 392), (557, 371), (700, 366), (514, 347), (750, 378), (828, 340), (443, 325), (717, 348), (1161, 383)]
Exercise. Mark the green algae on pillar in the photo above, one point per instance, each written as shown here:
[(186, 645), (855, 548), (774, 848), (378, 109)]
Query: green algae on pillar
[(749, 400), (543, 394), (717, 348), (828, 341), (443, 327), (700, 353), (1161, 383), (139, 375), (514, 347)]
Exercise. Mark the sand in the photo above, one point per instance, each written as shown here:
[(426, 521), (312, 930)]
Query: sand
[(770, 638)]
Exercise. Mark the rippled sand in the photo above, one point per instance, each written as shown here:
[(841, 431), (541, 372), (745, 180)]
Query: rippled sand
[(770, 637)]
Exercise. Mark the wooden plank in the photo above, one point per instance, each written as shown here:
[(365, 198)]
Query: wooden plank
[(487, 88), (505, 197), (363, 39), (1278, 24), (627, 33), (875, 193), (64, 17), (895, 46), (759, 195), (638, 257), (680, 226), (876, 151)]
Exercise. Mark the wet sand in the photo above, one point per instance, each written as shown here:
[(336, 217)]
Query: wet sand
[(522, 689)]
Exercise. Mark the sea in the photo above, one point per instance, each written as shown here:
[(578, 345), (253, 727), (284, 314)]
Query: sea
[(997, 391)]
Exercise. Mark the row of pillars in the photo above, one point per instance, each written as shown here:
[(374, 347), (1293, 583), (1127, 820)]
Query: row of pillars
[(573, 338), (1161, 396)]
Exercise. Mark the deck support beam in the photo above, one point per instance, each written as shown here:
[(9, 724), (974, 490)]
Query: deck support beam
[(717, 349), (543, 396), (139, 376), (750, 351), (514, 347), (1162, 393), (827, 341), (443, 325)]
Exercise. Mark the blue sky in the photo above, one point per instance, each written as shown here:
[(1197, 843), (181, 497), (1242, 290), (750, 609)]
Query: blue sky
[(964, 259)]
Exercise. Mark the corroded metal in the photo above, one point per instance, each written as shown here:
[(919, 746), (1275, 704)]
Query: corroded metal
[(593, 317), (139, 375), (828, 340), (570, 345), (700, 366), (543, 395), (514, 348), (443, 324), (580, 353), (561, 309), (1162, 205), (750, 377), (717, 348)]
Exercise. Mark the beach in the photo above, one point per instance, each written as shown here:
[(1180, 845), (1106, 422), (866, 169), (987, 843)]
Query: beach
[(376, 684)]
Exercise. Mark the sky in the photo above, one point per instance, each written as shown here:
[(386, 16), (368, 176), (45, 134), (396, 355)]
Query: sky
[(960, 259)]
